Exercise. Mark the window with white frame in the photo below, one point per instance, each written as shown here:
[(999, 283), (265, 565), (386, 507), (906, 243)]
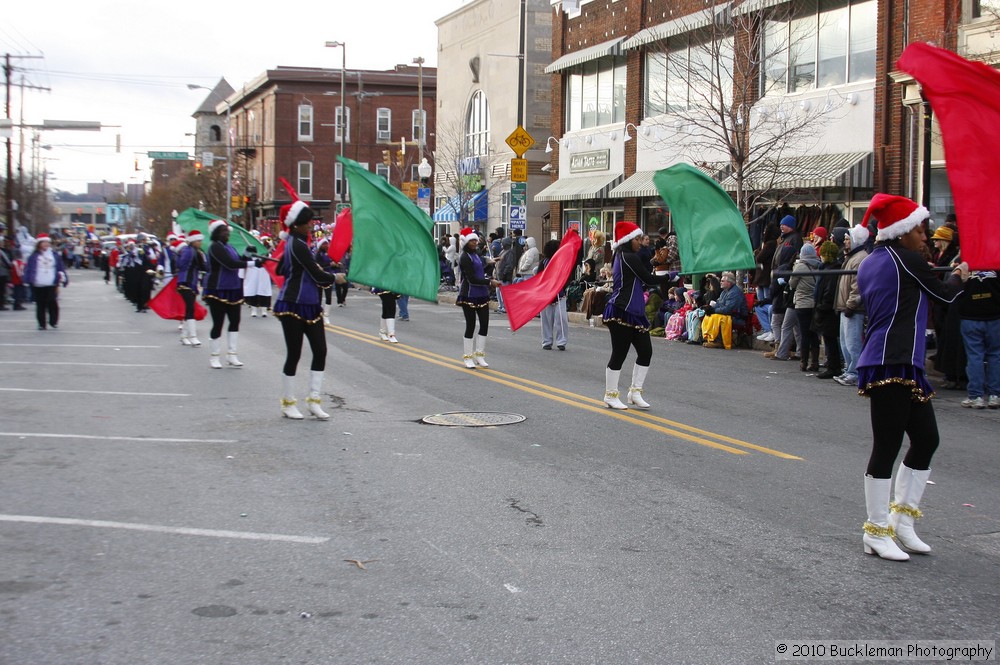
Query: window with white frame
[(595, 93), (305, 122), (682, 75), (826, 43), (418, 121), (477, 126), (340, 186), (383, 124), (504, 208), (305, 179), (383, 171), (342, 120)]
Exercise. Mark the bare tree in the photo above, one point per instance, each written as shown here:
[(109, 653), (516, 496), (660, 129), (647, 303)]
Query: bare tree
[(459, 161)]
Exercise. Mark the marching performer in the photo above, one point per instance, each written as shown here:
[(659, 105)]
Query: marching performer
[(625, 316), (299, 308), (474, 299), (896, 285), (190, 264), (256, 288), (326, 264), (223, 292), (387, 324)]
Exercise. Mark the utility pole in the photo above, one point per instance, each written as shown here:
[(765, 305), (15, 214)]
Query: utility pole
[(8, 69)]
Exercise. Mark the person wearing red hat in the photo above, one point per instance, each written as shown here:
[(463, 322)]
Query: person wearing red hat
[(896, 285), (45, 272), (223, 293), (625, 316), (300, 311), (190, 265), (474, 299)]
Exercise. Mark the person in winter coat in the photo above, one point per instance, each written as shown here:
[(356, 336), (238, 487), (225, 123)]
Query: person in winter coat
[(528, 264), (256, 287), (789, 237), (979, 308), (784, 323), (803, 286), (555, 320), (826, 321), (722, 315), (850, 306), (45, 272)]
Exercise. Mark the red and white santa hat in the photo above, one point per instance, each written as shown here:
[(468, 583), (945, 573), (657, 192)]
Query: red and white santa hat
[(896, 215), (625, 231), (465, 235), (216, 224), (290, 213), (194, 235), (42, 236)]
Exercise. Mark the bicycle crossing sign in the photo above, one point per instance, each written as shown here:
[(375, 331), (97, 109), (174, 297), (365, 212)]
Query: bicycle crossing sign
[(520, 141)]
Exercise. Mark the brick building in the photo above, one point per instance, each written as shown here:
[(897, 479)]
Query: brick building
[(287, 123)]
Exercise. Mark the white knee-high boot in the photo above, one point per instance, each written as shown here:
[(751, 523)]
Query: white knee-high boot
[(390, 327), (315, 400), (185, 338), (253, 312), (467, 353), (192, 328), (878, 534), (383, 331), (635, 390), (611, 388), (288, 403), (479, 355), (910, 485), (215, 347), (326, 314), (231, 357)]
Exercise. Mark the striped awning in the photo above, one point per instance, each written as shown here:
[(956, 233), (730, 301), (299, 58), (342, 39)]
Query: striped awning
[(640, 183), (579, 189), (755, 6), (612, 47), (476, 207), (847, 169), (677, 26)]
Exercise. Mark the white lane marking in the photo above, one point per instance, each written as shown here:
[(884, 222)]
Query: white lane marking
[(91, 392), (43, 435), (243, 535), (511, 588), (87, 346), (40, 362), (84, 332)]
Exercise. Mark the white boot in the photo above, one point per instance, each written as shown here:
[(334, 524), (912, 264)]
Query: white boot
[(215, 347), (611, 388), (288, 408), (253, 312), (315, 400), (383, 332), (390, 326), (479, 355), (326, 315), (635, 390), (185, 339), (910, 485), (467, 353), (878, 534), (192, 328), (231, 358)]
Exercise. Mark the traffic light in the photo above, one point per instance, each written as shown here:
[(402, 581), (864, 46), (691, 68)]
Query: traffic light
[(400, 156), (386, 159), (197, 167)]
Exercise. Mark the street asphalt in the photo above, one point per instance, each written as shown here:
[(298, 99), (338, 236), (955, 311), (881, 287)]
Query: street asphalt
[(155, 510)]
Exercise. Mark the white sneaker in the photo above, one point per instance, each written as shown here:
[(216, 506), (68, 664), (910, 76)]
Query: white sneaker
[(974, 403), (994, 402), (763, 336)]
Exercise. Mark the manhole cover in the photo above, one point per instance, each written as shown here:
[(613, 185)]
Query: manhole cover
[(473, 419)]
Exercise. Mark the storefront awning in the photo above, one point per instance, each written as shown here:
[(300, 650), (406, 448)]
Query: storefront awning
[(848, 169), (612, 47), (677, 26), (582, 188), (476, 207), (640, 183), (755, 6)]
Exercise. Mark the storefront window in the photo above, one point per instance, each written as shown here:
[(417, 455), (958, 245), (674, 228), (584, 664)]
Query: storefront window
[(595, 93)]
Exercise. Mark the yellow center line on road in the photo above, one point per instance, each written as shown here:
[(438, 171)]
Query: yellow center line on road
[(635, 417)]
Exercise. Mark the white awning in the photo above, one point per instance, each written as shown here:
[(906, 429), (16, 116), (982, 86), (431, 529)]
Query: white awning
[(640, 183), (677, 26), (582, 188), (755, 6), (848, 169), (612, 47)]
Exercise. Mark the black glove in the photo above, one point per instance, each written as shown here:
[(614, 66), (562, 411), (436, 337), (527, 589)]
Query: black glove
[(709, 309), (257, 263), (849, 313)]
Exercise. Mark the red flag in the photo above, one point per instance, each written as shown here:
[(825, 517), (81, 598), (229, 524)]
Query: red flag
[(965, 97), (272, 266), (343, 235), (169, 304), (526, 299)]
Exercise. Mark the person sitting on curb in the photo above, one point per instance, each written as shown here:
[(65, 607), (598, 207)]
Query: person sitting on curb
[(722, 315)]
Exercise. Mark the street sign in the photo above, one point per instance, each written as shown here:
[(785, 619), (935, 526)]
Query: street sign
[(518, 205), (520, 141), (519, 170), (208, 158), (167, 155)]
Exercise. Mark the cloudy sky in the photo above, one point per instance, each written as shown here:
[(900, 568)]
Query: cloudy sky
[(128, 63)]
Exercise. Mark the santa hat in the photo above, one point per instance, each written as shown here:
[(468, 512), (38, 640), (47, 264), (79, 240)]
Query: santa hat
[(42, 236), (194, 235), (290, 213), (171, 236), (216, 224), (896, 215), (625, 231), (465, 235)]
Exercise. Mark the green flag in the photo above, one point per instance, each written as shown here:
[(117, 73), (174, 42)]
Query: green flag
[(393, 248), (711, 235), (239, 237)]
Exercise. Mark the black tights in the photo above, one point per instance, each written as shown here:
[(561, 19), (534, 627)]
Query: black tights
[(187, 295), (220, 310), (622, 337), (894, 412), (388, 305), (295, 329), (471, 313), (342, 293)]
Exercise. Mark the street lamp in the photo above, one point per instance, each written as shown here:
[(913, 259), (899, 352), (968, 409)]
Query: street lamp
[(229, 155), (343, 107), (424, 170), (419, 62)]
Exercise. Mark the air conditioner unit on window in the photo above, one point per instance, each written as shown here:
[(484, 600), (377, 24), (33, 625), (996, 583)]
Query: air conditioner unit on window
[(384, 135)]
